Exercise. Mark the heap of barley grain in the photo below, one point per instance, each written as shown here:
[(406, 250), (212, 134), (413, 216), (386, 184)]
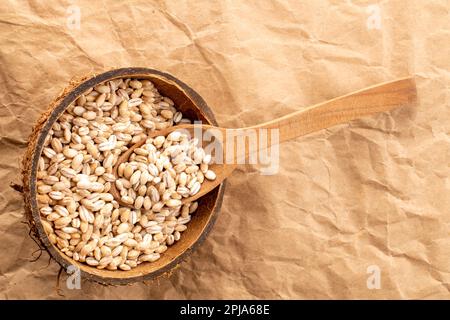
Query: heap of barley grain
[(75, 174)]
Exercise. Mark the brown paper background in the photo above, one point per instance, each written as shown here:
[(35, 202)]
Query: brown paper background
[(372, 192)]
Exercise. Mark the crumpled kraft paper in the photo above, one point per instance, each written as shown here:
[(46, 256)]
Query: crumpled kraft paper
[(360, 210)]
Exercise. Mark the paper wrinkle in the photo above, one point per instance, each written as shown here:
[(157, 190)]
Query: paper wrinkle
[(373, 192)]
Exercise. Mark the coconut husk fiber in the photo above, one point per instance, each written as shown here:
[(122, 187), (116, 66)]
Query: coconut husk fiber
[(345, 203)]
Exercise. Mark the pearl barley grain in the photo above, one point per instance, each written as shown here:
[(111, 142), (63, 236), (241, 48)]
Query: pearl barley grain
[(75, 175)]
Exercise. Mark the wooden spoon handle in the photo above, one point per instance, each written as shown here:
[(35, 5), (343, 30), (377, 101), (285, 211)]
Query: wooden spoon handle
[(378, 98)]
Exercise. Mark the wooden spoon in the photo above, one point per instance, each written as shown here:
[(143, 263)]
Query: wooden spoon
[(375, 99)]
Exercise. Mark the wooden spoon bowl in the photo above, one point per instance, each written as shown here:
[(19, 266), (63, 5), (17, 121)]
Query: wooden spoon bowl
[(193, 107)]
